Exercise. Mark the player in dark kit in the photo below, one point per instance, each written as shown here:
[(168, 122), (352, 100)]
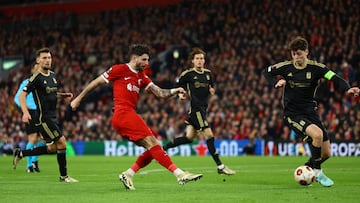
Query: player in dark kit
[(30, 128), (199, 84), (44, 87), (300, 77)]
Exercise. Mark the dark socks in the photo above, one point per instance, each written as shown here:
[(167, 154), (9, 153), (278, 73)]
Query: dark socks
[(315, 159), (177, 141), (212, 150), (35, 151), (61, 158)]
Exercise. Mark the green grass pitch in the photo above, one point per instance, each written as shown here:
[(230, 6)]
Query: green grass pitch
[(258, 179)]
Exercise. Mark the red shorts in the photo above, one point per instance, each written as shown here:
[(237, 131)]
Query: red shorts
[(130, 125)]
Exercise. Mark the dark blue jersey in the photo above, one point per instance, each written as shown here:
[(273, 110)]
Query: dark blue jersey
[(197, 83), (44, 88), (301, 84)]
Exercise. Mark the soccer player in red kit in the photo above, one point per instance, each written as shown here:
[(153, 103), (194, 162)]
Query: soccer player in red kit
[(128, 79)]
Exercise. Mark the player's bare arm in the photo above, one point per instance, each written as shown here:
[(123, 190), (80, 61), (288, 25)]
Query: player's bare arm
[(63, 95), (165, 93), (24, 108), (211, 90), (90, 87)]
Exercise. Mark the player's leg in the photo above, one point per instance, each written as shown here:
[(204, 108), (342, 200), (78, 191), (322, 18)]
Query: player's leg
[(317, 152), (35, 159), (316, 135), (30, 145), (325, 151), (61, 159), (46, 131), (190, 134), (210, 142), (135, 129), (126, 177), (32, 132), (19, 154), (157, 153)]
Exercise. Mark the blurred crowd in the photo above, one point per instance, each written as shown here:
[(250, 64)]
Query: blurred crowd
[(241, 38)]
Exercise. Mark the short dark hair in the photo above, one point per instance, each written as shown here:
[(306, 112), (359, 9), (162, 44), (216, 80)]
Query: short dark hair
[(42, 50), (139, 49), (299, 43)]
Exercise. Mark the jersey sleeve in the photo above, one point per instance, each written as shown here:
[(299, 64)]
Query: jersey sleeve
[(145, 80), (272, 72), (30, 86), (183, 80), (340, 83), (211, 82), (112, 73)]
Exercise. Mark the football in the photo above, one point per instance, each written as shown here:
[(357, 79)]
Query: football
[(304, 175)]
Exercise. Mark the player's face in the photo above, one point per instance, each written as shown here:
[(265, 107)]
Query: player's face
[(141, 62), (198, 61), (44, 61), (299, 56)]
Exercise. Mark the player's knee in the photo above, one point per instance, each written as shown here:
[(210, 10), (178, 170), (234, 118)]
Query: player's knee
[(32, 138), (51, 148), (317, 135), (208, 136)]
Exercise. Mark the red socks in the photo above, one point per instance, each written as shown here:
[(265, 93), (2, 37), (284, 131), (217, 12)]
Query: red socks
[(156, 153)]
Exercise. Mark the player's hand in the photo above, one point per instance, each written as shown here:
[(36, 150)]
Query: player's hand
[(211, 90), (354, 91), (280, 83), (75, 103), (26, 117), (179, 90), (182, 96)]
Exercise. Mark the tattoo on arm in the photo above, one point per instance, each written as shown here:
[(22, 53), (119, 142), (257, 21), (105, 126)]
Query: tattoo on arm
[(159, 92)]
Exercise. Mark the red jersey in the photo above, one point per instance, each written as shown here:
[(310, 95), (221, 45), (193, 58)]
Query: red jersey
[(127, 84)]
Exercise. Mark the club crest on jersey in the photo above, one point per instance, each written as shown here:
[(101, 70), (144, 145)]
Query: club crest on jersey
[(308, 75), (208, 77)]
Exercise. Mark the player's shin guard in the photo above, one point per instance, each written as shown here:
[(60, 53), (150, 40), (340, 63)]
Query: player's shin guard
[(61, 158)]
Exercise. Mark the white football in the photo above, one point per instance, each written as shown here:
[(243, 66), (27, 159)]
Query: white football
[(304, 175)]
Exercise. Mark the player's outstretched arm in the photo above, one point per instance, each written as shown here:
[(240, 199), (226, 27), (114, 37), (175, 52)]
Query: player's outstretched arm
[(90, 87), (165, 93), (64, 95)]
